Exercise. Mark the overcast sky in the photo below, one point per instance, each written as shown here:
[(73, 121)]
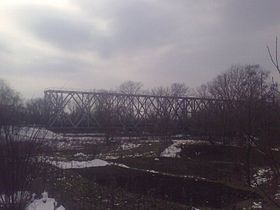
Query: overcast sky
[(87, 44)]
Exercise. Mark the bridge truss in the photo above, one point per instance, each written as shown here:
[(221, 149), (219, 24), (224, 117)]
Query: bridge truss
[(107, 112)]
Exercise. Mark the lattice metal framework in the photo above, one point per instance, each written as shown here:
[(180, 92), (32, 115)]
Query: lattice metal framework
[(115, 112)]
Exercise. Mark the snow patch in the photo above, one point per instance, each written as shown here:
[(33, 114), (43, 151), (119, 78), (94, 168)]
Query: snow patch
[(257, 205), (120, 165), (172, 151), (262, 176), (38, 133), (108, 157), (44, 203), (101, 163), (80, 154), (275, 149), (190, 142), (85, 164), (79, 164), (128, 146)]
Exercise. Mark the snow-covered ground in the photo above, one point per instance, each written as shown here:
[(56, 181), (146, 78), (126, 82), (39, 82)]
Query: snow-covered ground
[(129, 146), (277, 196), (79, 164), (57, 140), (128, 149), (84, 164), (38, 133), (107, 156), (80, 154), (261, 176), (44, 203), (102, 163), (257, 205), (174, 149)]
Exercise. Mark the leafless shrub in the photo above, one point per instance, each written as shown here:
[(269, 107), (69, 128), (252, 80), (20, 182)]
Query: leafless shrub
[(20, 164)]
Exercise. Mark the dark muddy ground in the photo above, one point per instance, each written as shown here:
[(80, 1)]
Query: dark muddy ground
[(184, 190)]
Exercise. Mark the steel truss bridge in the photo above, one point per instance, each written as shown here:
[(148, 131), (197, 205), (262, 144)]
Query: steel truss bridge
[(116, 113)]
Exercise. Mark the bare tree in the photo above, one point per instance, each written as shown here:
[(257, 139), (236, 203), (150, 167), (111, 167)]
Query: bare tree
[(8, 95), (20, 164), (179, 89), (274, 59), (35, 110), (161, 91), (240, 82), (202, 91), (175, 89), (163, 124), (11, 108), (130, 87), (268, 132)]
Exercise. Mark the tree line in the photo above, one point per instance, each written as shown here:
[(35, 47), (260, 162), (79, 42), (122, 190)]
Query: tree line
[(251, 94)]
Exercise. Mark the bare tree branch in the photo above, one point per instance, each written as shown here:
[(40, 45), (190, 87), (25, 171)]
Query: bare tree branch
[(274, 60)]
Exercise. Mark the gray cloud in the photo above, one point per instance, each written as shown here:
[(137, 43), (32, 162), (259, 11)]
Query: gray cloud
[(144, 25), (59, 28), (251, 15), (156, 41), (62, 33), (59, 66), (134, 25)]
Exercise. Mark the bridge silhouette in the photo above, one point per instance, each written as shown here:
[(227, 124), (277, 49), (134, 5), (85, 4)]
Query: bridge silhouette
[(118, 113)]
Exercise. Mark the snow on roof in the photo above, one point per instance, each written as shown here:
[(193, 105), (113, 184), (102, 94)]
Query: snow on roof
[(44, 203)]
